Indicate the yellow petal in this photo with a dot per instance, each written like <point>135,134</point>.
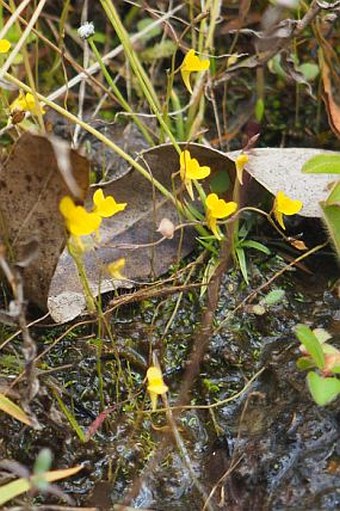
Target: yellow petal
<point>279,219</point>
<point>240,162</point>
<point>186,79</point>
<point>4,46</point>
<point>26,103</point>
<point>155,380</point>
<point>190,168</point>
<point>153,399</point>
<point>79,222</point>
<point>116,267</point>
<point>219,208</point>
<point>106,206</point>
<point>190,64</point>
<point>286,205</point>
<point>212,224</point>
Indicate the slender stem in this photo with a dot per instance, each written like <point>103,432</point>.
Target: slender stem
<point>119,95</point>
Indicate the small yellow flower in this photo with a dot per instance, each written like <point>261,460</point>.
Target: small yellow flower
<point>240,163</point>
<point>190,169</point>
<point>106,206</point>
<point>116,267</point>
<point>191,64</point>
<point>26,103</point>
<point>217,209</point>
<point>4,46</point>
<point>156,386</point>
<point>283,205</point>
<point>79,222</point>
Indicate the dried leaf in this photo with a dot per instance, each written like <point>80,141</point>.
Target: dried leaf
<point>330,65</point>
<point>15,488</point>
<point>7,406</point>
<point>125,235</point>
<point>280,169</point>
<point>31,186</point>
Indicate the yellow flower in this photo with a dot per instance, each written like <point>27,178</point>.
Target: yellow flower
<point>156,386</point>
<point>190,169</point>
<point>240,162</point>
<point>106,206</point>
<point>4,46</point>
<point>79,222</point>
<point>283,205</point>
<point>217,209</point>
<point>191,64</point>
<point>115,268</point>
<point>26,103</point>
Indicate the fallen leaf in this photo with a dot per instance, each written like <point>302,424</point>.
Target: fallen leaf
<point>15,488</point>
<point>7,406</point>
<point>329,63</point>
<point>125,235</point>
<point>31,186</point>
<point>280,169</point>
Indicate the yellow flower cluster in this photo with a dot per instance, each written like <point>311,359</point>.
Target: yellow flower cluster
<point>216,208</point>
<point>26,103</point>
<point>81,222</point>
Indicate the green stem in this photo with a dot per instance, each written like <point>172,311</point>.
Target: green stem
<point>77,258</point>
<point>119,95</point>
<point>143,79</point>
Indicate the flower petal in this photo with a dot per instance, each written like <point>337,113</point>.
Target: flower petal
<point>240,162</point>
<point>106,206</point>
<point>115,268</point>
<point>219,208</point>
<point>190,64</point>
<point>79,222</point>
<point>4,46</point>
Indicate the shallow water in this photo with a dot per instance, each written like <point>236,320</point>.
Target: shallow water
<point>272,448</point>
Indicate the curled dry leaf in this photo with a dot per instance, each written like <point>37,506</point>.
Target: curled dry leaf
<point>31,227</point>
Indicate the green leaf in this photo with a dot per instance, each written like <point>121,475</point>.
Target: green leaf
<point>162,50</point>
<point>242,262</point>
<point>331,216</point>
<point>323,390</point>
<point>334,196</point>
<point>322,335</point>
<point>304,363</point>
<point>310,70</point>
<point>70,417</point>
<point>43,462</point>
<point>220,183</point>
<point>145,22</point>
<point>323,164</point>
<point>311,343</point>
<point>7,406</point>
<point>259,109</point>
<point>274,297</point>
<point>255,245</point>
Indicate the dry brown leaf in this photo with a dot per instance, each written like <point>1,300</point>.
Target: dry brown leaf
<point>137,225</point>
<point>331,86</point>
<point>31,187</point>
